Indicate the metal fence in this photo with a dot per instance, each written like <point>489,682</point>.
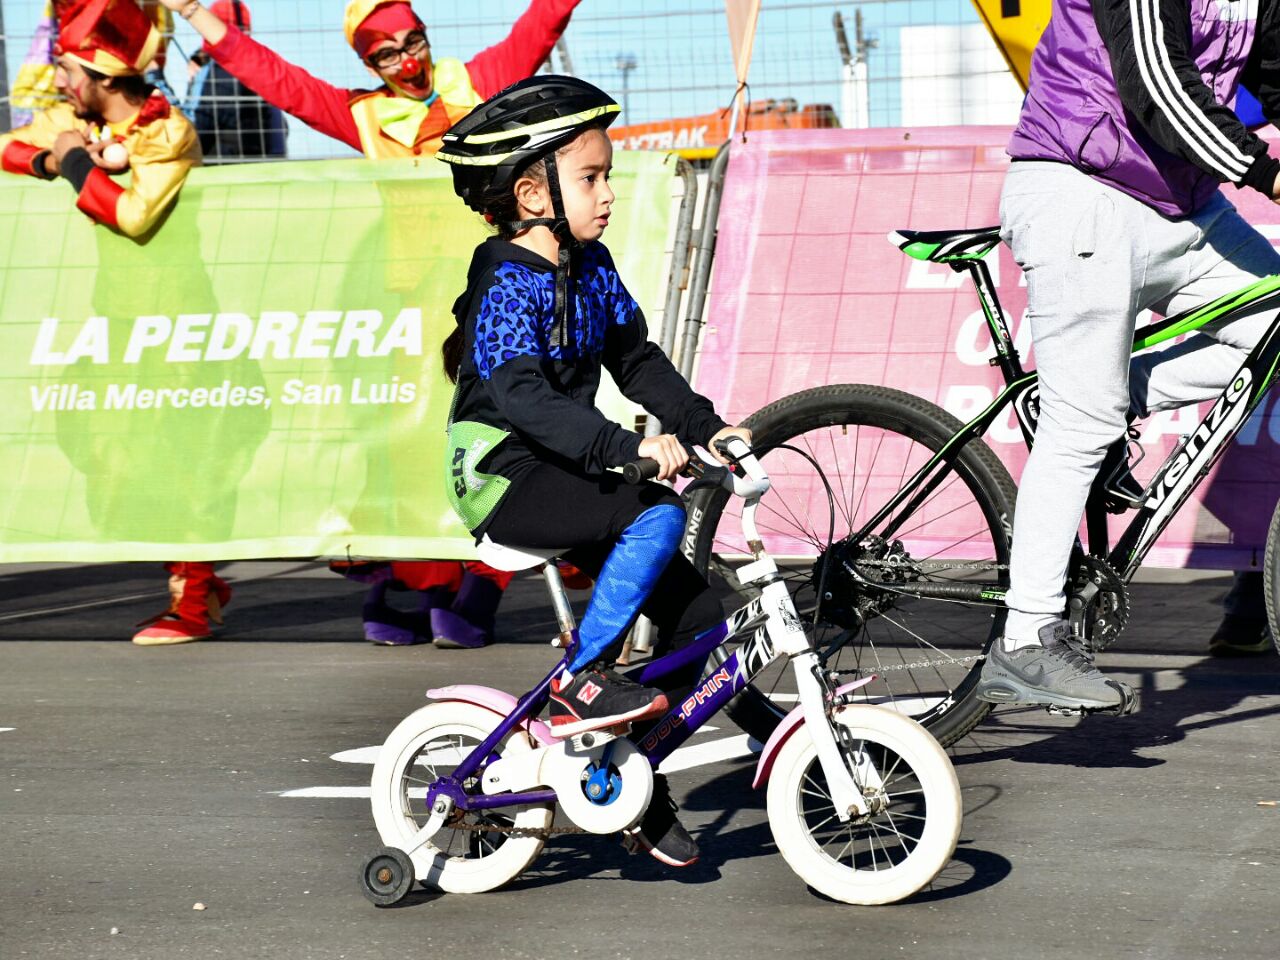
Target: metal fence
<point>875,63</point>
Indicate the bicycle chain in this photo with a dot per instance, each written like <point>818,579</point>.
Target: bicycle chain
<point>915,665</point>
<point>518,832</point>
<point>930,565</point>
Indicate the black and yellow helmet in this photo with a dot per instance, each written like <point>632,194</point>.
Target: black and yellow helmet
<point>526,123</point>
<point>492,145</point>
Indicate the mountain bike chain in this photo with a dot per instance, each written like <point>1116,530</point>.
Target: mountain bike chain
<point>1098,604</point>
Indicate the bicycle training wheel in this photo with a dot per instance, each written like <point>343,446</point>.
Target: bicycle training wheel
<point>902,842</point>
<point>478,851</point>
<point>869,440</point>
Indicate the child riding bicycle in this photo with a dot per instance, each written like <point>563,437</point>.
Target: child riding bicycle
<point>543,314</point>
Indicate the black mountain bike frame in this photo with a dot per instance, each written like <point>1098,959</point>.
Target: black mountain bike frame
<point>1173,483</point>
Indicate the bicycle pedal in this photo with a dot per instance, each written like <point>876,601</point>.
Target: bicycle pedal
<point>1128,706</point>
<point>1057,710</point>
<point>591,739</point>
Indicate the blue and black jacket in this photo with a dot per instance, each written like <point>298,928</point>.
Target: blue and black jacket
<point>526,389</point>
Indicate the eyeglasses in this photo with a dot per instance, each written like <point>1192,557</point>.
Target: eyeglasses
<point>388,57</point>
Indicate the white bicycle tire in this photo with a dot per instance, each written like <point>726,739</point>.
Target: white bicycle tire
<point>391,804</point>
<point>838,880</point>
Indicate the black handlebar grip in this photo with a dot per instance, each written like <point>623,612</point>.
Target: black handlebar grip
<point>638,471</point>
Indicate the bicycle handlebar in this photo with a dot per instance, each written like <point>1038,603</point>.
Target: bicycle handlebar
<point>638,471</point>
<point>702,466</point>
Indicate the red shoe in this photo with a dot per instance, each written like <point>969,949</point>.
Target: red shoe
<point>196,595</point>
<point>171,629</point>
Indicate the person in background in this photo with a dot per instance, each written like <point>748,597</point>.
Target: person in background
<point>234,123</point>
<point>101,54</point>
<point>417,99</point>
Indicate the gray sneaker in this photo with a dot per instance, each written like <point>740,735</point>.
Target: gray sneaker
<point>1055,674</point>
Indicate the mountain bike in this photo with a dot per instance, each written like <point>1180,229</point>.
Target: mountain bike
<point>862,802</point>
<point>912,586</point>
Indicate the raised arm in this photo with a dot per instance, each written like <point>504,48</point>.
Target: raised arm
<point>318,104</point>
<point>525,48</point>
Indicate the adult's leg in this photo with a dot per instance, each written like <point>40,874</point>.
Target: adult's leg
<point>1226,255</point>
<point>1229,255</point>
<point>1075,240</point>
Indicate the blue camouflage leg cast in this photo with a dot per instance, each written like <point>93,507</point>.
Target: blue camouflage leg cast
<point>626,580</point>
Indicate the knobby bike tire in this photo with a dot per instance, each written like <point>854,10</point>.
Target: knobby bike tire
<point>1271,576</point>
<point>854,405</point>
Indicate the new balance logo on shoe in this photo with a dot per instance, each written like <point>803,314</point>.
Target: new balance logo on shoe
<point>599,699</point>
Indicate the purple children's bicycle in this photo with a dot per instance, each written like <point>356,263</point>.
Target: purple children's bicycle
<point>862,801</point>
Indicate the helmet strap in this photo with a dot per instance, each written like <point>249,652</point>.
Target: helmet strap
<point>563,302</point>
<point>559,226</point>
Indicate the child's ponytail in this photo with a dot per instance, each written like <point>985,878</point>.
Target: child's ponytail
<point>451,354</point>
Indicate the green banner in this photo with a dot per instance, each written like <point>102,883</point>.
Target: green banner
<point>261,378</point>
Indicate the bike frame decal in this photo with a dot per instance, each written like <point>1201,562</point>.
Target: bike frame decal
<point>1191,462</point>
<point>1253,295</point>
<point>708,698</point>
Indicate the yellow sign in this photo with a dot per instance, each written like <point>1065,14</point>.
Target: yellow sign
<point>1015,26</point>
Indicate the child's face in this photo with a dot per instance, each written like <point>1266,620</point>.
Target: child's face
<point>584,167</point>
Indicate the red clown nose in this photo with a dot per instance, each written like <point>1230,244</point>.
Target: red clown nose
<point>410,68</point>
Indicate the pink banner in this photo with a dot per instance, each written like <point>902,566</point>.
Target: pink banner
<point>808,291</point>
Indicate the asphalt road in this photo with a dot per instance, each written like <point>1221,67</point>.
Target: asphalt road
<point>135,783</point>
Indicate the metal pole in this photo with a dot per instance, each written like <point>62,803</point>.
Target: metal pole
<point>697,301</point>
<point>6,118</point>
<point>678,277</point>
<point>641,638</point>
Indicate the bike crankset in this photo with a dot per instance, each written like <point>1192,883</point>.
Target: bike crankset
<point>1097,603</point>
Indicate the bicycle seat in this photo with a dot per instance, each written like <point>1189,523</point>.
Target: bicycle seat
<point>946,246</point>
<point>512,559</point>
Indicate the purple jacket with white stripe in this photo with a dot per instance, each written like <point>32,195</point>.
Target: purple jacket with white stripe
<point>1137,93</point>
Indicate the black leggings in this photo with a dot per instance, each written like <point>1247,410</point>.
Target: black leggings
<point>583,517</point>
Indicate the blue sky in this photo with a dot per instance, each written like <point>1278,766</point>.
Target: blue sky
<point>681,47</point>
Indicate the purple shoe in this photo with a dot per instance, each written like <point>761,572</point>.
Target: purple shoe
<point>389,627</point>
<point>453,632</point>
<point>389,635</point>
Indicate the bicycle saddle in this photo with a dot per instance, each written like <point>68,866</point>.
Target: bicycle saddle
<point>946,246</point>
<point>512,559</point>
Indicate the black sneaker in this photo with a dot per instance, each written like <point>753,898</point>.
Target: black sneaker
<point>660,833</point>
<point>1240,637</point>
<point>597,698</point>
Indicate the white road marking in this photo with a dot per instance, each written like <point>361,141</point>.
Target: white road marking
<point>87,605</point>
<point>7,729</point>
<point>365,755</point>
<point>330,793</point>
<point>726,748</point>
<point>686,758</point>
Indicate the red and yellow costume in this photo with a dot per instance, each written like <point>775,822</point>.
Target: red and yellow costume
<point>458,599</point>
<point>113,37</point>
<point>381,123</point>
<point>116,38</point>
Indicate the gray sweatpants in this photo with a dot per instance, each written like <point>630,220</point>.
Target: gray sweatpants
<point>1094,257</point>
